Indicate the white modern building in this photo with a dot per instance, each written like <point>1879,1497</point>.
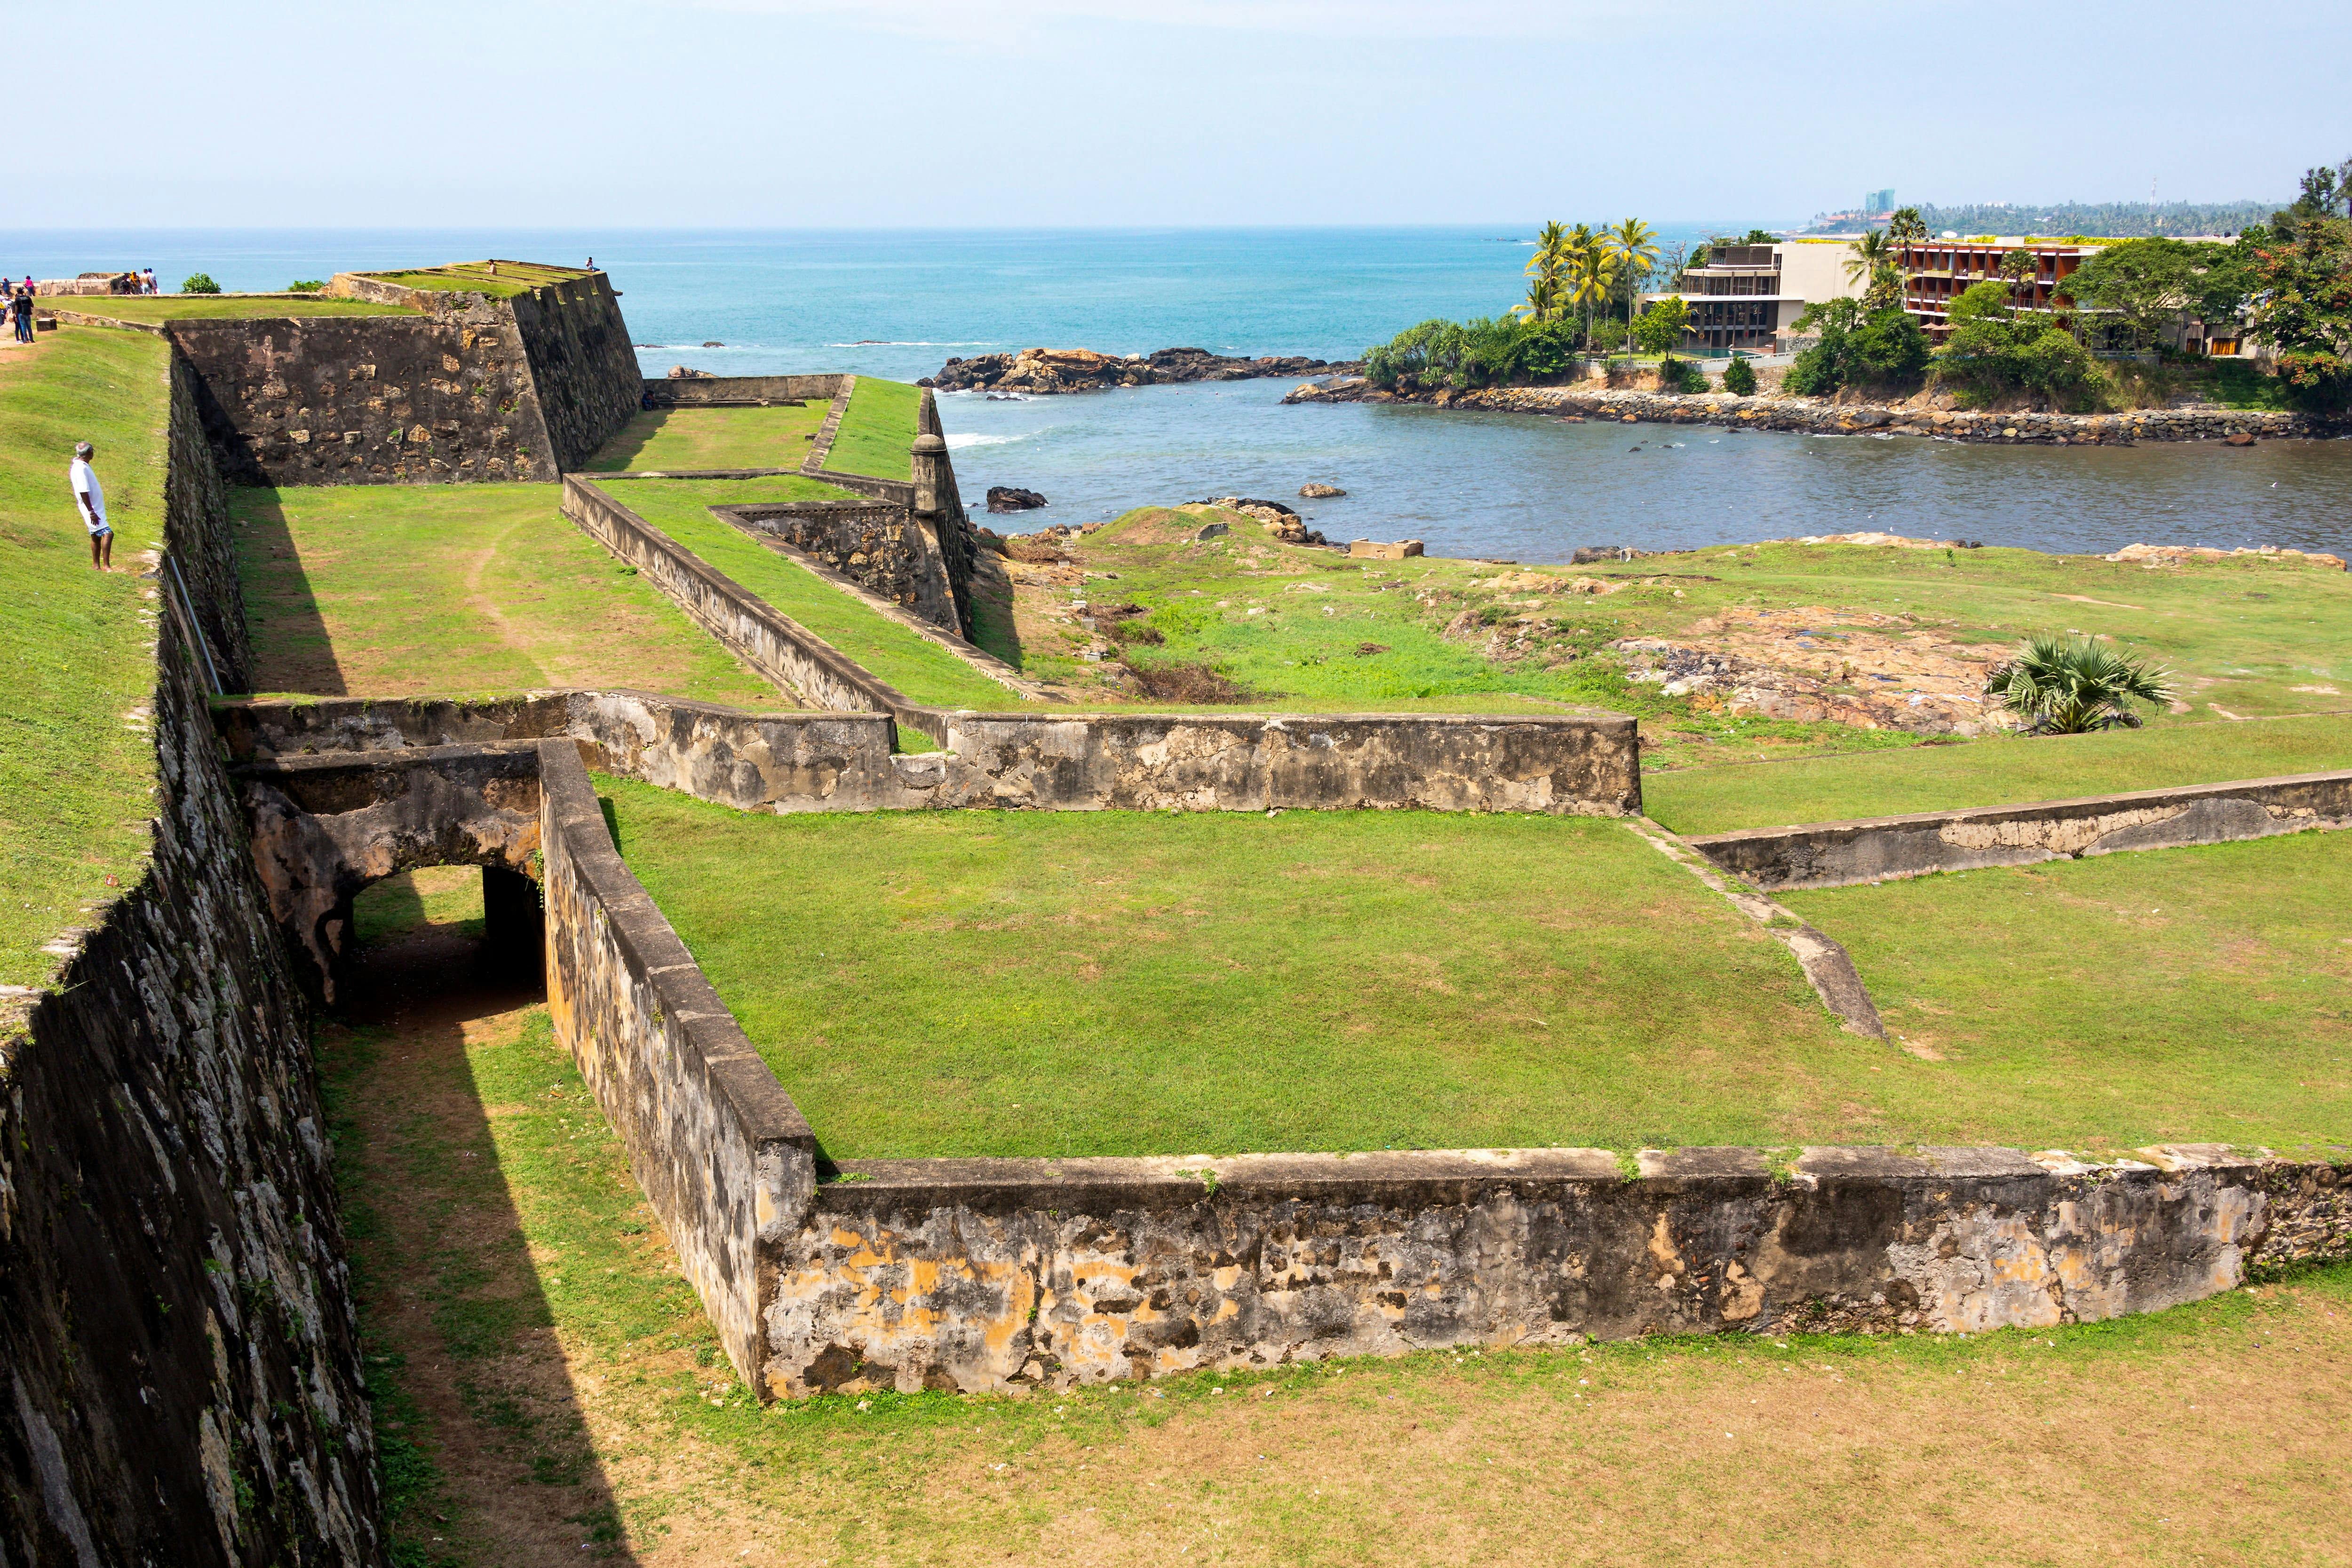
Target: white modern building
<point>1749,297</point>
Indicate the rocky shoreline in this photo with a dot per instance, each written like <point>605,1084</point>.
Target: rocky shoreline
<point>1819,415</point>
<point>1046,372</point>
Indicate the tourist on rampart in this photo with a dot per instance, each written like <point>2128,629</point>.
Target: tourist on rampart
<point>92,498</point>
<point>20,316</point>
<point>148,278</point>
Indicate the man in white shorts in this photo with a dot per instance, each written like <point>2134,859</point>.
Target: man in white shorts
<point>92,498</point>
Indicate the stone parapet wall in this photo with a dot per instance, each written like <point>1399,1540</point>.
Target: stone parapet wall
<point>1838,854</point>
<point>1819,415</point>
<point>779,647</point>
<point>202,565</point>
<point>885,549</point>
<point>1220,762</point>
<point>584,371</point>
<point>181,1351</point>
<point>980,1274</point>
<point>737,391</point>
<point>723,1156</point>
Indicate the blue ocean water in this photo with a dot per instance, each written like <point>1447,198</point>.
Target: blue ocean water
<point>899,303</point>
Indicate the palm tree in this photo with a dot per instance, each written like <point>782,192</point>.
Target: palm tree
<point>1632,245</point>
<point>1906,226</point>
<point>2067,687</point>
<point>2019,268</point>
<point>1871,256</point>
<point>1591,278</point>
<point>1546,274</point>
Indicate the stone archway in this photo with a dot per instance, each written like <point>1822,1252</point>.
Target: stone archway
<point>326,828</point>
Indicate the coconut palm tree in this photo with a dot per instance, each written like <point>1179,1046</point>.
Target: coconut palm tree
<point>1906,226</point>
<point>1632,246</point>
<point>2019,268</point>
<point>1546,274</point>
<point>2066,688</point>
<point>1542,303</point>
<point>1591,278</point>
<point>1872,257</point>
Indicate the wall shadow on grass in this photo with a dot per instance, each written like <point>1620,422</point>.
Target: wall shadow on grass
<point>292,650</point>
<point>487,1457</point>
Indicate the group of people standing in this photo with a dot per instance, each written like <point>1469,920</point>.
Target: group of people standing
<point>19,307</point>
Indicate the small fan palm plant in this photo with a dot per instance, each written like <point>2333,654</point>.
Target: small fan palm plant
<point>2061,687</point>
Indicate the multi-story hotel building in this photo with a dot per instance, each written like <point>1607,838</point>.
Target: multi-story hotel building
<point>1749,296</point>
<point>1937,271</point>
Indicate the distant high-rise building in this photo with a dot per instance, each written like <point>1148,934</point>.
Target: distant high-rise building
<point>1878,202</point>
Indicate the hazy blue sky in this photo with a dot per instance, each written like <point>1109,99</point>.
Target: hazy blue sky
<point>954,112</point>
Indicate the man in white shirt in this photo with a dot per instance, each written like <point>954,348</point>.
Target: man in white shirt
<point>92,498</point>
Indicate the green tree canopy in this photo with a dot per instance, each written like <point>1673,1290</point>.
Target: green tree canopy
<point>1858,347</point>
<point>2302,285</point>
<point>2146,285</point>
<point>1996,348</point>
<point>1659,330</point>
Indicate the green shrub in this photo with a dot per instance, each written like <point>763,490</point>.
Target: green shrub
<point>199,283</point>
<point>307,286</point>
<point>1487,352</point>
<point>1996,348</point>
<point>1880,348</point>
<point>1740,378</point>
<point>1681,375</point>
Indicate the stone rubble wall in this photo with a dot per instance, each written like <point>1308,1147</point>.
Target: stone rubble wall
<point>1839,854</point>
<point>1819,415</point>
<point>203,553</point>
<point>986,1274</point>
<point>883,549</point>
<point>473,389</point>
<point>735,391</point>
<point>724,1156</point>
<point>180,1372</point>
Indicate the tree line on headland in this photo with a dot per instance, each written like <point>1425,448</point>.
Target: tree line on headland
<point>2288,282</point>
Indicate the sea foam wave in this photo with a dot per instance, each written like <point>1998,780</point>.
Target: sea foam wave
<point>958,442</point>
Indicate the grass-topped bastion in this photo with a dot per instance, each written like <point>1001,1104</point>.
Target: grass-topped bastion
<point>1071,984</point>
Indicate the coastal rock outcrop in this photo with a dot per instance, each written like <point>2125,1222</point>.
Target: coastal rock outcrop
<point>1009,498</point>
<point>1279,520</point>
<point>1049,371</point>
<point>1823,417</point>
<point>1320,492</point>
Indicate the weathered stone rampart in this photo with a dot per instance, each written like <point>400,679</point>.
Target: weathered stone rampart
<point>469,388</point>
<point>883,547</point>
<point>724,1156</point>
<point>1838,854</point>
<point>985,1273</point>
<point>737,391</point>
<point>180,1375</point>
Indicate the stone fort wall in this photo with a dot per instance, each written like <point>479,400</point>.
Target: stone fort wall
<point>180,1375</point>
<point>474,389</point>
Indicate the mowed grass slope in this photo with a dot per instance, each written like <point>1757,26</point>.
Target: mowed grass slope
<point>665,438</point>
<point>2175,996</point>
<point>545,1377</point>
<point>1997,772</point>
<point>1067,983</point>
<point>77,655</point>
<point>919,668</point>
<point>448,590</point>
<point>216,307</point>
<point>877,430</point>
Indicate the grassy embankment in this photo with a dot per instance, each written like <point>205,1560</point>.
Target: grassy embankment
<point>1151,984</point>
<point>449,590</point>
<point>666,438</point>
<point>77,768</point>
<point>474,277</point>
<point>211,307</point>
<point>917,666</point>
<point>2200,994</point>
<point>1297,627</point>
<point>546,1378</point>
<point>877,430</point>
<point>2000,772</point>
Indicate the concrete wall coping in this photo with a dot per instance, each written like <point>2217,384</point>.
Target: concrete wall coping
<point>652,947</point>
<point>2074,805</point>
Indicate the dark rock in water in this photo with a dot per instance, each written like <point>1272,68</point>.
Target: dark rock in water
<point>1320,492</point>
<point>1006,498</point>
<point>714,344</point>
<point>1084,370</point>
<point>686,373</point>
<point>1592,554</point>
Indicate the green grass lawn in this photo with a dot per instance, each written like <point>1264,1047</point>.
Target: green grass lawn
<point>877,430</point>
<point>542,1375</point>
<point>919,668</point>
<point>2248,638</point>
<point>473,277</point>
<point>1999,772</point>
<point>2198,995</point>
<point>1111,982</point>
<point>76,775</point>
<point>665,438</point>
<point>410,590</point>
<point>212,307</point>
